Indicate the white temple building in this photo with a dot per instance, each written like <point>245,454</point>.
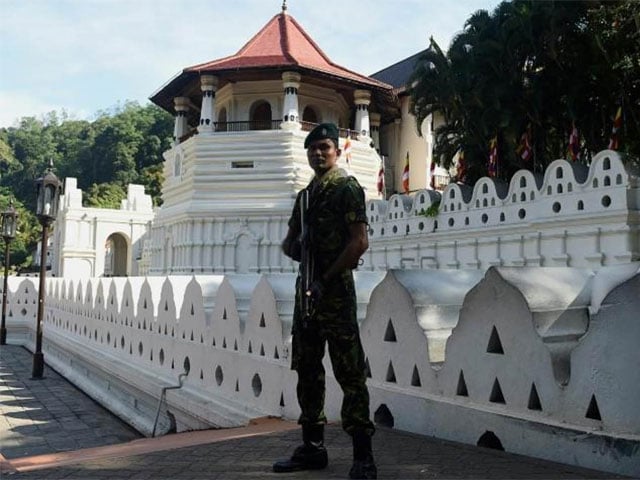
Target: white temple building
<point>238,160</point>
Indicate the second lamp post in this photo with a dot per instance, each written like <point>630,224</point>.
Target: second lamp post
<point>48,189</point>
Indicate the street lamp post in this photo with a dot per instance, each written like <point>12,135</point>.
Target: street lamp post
<point>9,224</point>
<point>48,189</point>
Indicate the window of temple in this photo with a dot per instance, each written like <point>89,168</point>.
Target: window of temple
<point>260,118</point>
<point>309,115</point>
<point>222,120</point>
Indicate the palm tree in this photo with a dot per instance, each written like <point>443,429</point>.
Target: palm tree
<point>530,64</point>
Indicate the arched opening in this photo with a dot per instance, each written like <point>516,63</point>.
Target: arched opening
<point>222,120</point>
<point>116,257</point>
<point>490,440</point>
<point>260,117</point>
<point>309,115</point>
<point>383,416</point>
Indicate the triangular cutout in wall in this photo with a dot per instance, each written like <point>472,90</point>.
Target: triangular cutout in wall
<point>534,399</point>
<point>593,411</point>
<point>495,345</point>
<point>390,333</point>
<point>496,393</point>
<point>391,374</point>
<point>415,377</point>
<point>461,389</point>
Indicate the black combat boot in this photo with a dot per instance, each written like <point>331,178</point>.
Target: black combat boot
<point>311,455</point>
<point>363,463</point>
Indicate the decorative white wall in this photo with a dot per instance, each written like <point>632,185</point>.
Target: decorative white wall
<point>542,357</point>
<point>572,216</point>
<point>80,233</point>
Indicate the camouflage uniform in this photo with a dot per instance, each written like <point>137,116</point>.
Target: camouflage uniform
<point>335,202</point>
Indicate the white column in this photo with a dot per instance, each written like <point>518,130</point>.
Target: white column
<point>180,128</point>
<point>362,99</point>
<point>290,113</point>
<point>208,85</point>
<point>375,130</point>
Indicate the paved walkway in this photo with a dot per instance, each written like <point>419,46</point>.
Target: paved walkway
<point>51,430</point>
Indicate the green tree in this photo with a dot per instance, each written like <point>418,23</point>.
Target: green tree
<point>33,147</point>
<point>104,195</point>
<point>121,146</point>
<point>536,65</point>
<point>27,232</point>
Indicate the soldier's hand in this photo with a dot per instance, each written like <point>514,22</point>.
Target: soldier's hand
<point>316,291</point>
<point>292,248</point>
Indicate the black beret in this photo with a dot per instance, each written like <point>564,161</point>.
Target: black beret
<point>322,131</point>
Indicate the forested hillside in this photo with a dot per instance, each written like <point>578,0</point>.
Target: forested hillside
<point>119,147</point>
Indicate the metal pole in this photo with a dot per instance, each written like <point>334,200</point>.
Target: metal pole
<point>3,328</point>
<point>38,356</point>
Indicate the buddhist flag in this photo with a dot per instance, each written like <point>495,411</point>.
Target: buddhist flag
<point>461,167</point>
<point>405,176</point>
<point>346,151</point>
<point>524,149</point>
<point>614,140</point>
<point>381,178</point>
<point>573,150</point>
<point>493,157</point>
<point>432,173</point>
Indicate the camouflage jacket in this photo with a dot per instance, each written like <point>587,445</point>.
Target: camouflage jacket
<point>335,202</point>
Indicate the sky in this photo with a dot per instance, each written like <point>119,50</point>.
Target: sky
<point>85,56</point>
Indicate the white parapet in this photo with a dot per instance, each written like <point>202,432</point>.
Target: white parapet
<point>541,358</point>
<point>573,216</point>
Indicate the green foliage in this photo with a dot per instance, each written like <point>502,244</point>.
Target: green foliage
<point>432,211</point>
<point>104,195</point>
<point>538,64</point>
<point>27,230</point>
<point>120,147</point>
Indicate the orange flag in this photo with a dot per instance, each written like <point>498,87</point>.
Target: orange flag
<point>405,176</point>
<point>614,140</point>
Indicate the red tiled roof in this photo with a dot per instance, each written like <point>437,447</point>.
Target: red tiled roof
<point>282,42</point>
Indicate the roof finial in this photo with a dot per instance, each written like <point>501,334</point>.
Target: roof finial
<point>284,6</point>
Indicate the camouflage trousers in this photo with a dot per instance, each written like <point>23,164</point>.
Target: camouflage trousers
<point>333,323</point>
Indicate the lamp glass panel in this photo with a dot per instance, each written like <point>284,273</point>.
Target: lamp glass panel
<point>8,224</point>
<point>47,206</point>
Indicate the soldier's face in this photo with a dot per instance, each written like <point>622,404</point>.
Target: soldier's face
<point>322,155</point>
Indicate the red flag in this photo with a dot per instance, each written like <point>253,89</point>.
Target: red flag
<point>524,147</point>
<point>614,140</point>
<point>405,176</point>
<point>381,178</point>
<point>346,151</point>
<point>461,168</point>
<point>432,173</point>
<point>493,156</point>
<point>573,151</point>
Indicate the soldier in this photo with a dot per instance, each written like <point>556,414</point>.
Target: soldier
<point>336,237</point>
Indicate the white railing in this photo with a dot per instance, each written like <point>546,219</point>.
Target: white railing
<point>542,357</point>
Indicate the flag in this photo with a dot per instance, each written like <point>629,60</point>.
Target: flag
<point>493,156</point>
<point>573,151</point>
<point>432,173</point>
<point>461,167</point>
<point>524,147</point>
<point>405,176</point>
<point>346,150</point>
<point>614,140</point>
<point>381,178</point>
